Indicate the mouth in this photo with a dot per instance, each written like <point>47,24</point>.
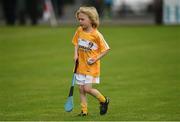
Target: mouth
<point>83,26</point>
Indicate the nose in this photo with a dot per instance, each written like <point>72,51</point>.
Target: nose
<point>80,22</point>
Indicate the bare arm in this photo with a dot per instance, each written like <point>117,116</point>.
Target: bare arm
<point>93,60</point>
<point>75,53</point>
<point>102,55</point>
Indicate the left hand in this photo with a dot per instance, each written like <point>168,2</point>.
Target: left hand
<point>91,61</point>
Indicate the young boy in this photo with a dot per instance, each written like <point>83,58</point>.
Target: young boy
<point>90,47</point>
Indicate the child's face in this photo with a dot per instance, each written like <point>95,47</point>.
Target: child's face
<point>84,21</point>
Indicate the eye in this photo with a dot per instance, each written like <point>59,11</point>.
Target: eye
<point>81,19</point>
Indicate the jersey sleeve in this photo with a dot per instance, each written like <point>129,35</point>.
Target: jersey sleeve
<point>75,37</point>
<point>103,46</point>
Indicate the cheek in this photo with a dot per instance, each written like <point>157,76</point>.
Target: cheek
<point>87,22</point>
<point>84,22</point>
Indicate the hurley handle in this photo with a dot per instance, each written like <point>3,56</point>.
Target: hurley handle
<point>76,65</point>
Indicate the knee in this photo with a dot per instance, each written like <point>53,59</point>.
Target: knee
<point>87,89</point>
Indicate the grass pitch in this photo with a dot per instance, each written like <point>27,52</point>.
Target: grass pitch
<point>141,74</point>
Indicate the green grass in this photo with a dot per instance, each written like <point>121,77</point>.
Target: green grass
<point>141,74</point>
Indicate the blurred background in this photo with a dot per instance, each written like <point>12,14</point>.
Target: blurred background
<point>60,12</point>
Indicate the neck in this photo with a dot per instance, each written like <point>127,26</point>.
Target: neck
<point>88,29</point>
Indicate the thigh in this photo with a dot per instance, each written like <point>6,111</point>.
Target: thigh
<point>88,85</point>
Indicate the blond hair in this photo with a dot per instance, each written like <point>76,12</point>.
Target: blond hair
<point>92,13</point>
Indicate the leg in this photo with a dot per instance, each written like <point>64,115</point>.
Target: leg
<point>103,101</point>
<point>83,100</point>
<point>94,92</point>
